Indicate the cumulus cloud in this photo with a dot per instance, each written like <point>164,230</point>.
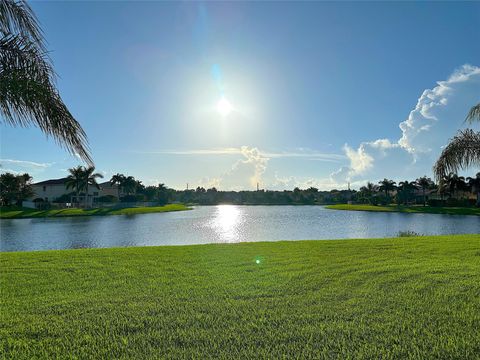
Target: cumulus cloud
<point>436,117</point>
<point>246,172</point>
<point>440,111</point>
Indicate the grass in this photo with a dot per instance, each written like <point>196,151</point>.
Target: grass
<point>23,213</point>
<point>408,209</point>
<point>400,298</point>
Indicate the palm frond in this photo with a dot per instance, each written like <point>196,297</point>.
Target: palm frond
<point>16,17</point>
<point>473,114</point>
<point>462,152</point>
<point>28,95</point>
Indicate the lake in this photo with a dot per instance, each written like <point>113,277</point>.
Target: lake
<point>221,224</point>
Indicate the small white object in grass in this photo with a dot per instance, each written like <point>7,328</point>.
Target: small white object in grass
<point>257,261</point>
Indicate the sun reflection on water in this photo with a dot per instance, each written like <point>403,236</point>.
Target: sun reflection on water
<point>226,222</point>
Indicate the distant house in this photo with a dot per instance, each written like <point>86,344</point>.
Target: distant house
<point>55,189</point>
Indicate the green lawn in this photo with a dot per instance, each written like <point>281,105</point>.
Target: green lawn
<point>408,209</point>
<point>380,298</point>
<point>15,212</point>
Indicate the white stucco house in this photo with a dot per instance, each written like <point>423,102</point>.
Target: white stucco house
<point>52,190</point>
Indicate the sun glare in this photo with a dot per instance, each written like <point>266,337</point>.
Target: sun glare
<point>224,107</point>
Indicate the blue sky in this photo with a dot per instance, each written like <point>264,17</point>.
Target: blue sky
<point>318,90</point>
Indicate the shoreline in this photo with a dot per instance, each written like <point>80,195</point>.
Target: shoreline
<point>27,213</point>
<point>416,209</point>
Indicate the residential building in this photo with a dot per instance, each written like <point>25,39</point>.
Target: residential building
<point>54,189</point>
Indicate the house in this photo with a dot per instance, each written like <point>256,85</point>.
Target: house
<point>55,189</point>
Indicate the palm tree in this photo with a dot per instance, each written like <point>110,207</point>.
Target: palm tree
<point>76,181</point>
<point>368,191</point>
<point>162,194</point>
<point>406,188</point>
<point>442,189</point>
<point>475,185</point>
<point>91,179</point>
<point>118,179</point>
<point>425,183</point>
<point>28,95</point>
<point>387,186</point>
<point>454,182</point>
<point>462,151</point>
<point>129,185</point>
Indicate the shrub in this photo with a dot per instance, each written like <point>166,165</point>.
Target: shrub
<point>65,198</point>
<point>436,202</point>
<point>107,199</point>
<point>408,233</point>
<point>460,202</point>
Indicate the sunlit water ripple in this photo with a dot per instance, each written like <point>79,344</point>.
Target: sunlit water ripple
<point>221,224</point>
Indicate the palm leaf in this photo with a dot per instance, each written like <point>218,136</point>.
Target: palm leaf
<point>28,95</point>
<point>462,152</point>
<point>16,17</point>
<point>473,114</point>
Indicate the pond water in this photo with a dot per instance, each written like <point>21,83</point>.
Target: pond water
<point>221,224</point>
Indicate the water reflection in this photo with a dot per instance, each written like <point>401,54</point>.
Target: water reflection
<point>218,224</point>
<point>226,222</point>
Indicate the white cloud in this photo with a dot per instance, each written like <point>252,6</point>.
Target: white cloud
<point>360,160</point>
<point>24,164</point>
<point>247,172</point>
<point>437,116</point>
<point>300,153</point>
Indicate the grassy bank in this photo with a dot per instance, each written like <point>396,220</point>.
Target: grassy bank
<point>408,209</point>
<point>380,298</point>
<point>19,213</point>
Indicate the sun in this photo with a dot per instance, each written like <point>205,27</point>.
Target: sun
<point>224,107</point>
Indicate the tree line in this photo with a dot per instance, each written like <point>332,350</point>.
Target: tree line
<point>453,190</point>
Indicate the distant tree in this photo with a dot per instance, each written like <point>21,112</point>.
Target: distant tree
<point>25,190</point>
<point>387,186</point>
<point>474,183</point>
<point>76,181</point>
<point>406,190</point>
<point>442,190</point>
<point>8,188</point>
<point>454,183</point>
<point>424,183</point>
<point>118,179</point>
<point>91,179</point>
<point>163,194</point>
<point>368,191</point>
<point>129,185</point>
<point>139,187</point>
<point>150,192</point>
<point>28,95</point>
<point>15,188</point>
